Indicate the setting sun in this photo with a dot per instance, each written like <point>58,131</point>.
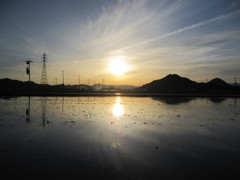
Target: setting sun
<point>118,65</point>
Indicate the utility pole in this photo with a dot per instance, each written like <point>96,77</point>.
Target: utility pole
<point>79,83</point>
<point>103,83</point>
<point>28,69</point>
<point>63,77</point>
<point>44,69</point>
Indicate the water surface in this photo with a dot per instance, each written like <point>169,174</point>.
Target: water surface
<point>120,137</point>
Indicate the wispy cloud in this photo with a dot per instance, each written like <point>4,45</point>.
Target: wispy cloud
<point>156,35</point>
<point>193,26</point>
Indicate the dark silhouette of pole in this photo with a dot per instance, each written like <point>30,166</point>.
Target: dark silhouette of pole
<point>44,108</point>
<point>62,104</point>
<point>28,69</point>
<point>63,77</point>
<point>103,84</point>
<point>79,82</point>
<point>28,110</point>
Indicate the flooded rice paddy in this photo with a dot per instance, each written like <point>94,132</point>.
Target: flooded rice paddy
<point>120,137</point>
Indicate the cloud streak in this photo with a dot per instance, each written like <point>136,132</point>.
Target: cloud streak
<point>191,27</point>
<point>164,35</point>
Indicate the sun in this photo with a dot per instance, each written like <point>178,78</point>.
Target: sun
<point>118,65</point>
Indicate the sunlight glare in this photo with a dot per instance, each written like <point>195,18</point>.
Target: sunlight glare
<point>118,109</point>
<point>118,65</point>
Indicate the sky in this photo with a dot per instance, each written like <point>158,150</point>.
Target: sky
<point>120,41</point>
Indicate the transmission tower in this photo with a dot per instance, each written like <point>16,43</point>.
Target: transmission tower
<point>44,70</point>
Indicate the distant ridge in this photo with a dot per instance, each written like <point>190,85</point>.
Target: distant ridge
<point>174,83</point>
<point>121,87</point>
<point>217,82</point>
<point>15,86</point>
<point>171,84</point>
<point>10,84</point>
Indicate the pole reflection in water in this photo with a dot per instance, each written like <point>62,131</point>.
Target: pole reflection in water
<point>44,107</point>
<point>28,109</point>
<point>118,109</point>
<point>235,104</point>
<point>62,104</point>
<point>130,137</point>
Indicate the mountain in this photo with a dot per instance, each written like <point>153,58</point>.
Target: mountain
<point>171,82</point>
<point>174,83</point>
<point>78,87</point>
<point>121,87</point>
<point>217,82</point>
<point>15,86</point>
<point>12,85</point>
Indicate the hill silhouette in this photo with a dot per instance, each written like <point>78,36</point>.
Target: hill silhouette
<point>217,82</point>
<point>174,83</point>
<point>7,84</point>
<point>171,84</point>
<point>14,86</point>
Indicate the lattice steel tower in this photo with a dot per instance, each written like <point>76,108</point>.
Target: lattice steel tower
<point>44,70</point>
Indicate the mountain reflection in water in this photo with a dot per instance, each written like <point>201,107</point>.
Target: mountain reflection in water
<point>120,137</point>
<point>180,100</point>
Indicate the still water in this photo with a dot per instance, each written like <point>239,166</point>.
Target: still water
<point>120,137</point>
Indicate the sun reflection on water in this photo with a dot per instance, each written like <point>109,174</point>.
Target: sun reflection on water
<point>118,109</point>
<point>115,145</point>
